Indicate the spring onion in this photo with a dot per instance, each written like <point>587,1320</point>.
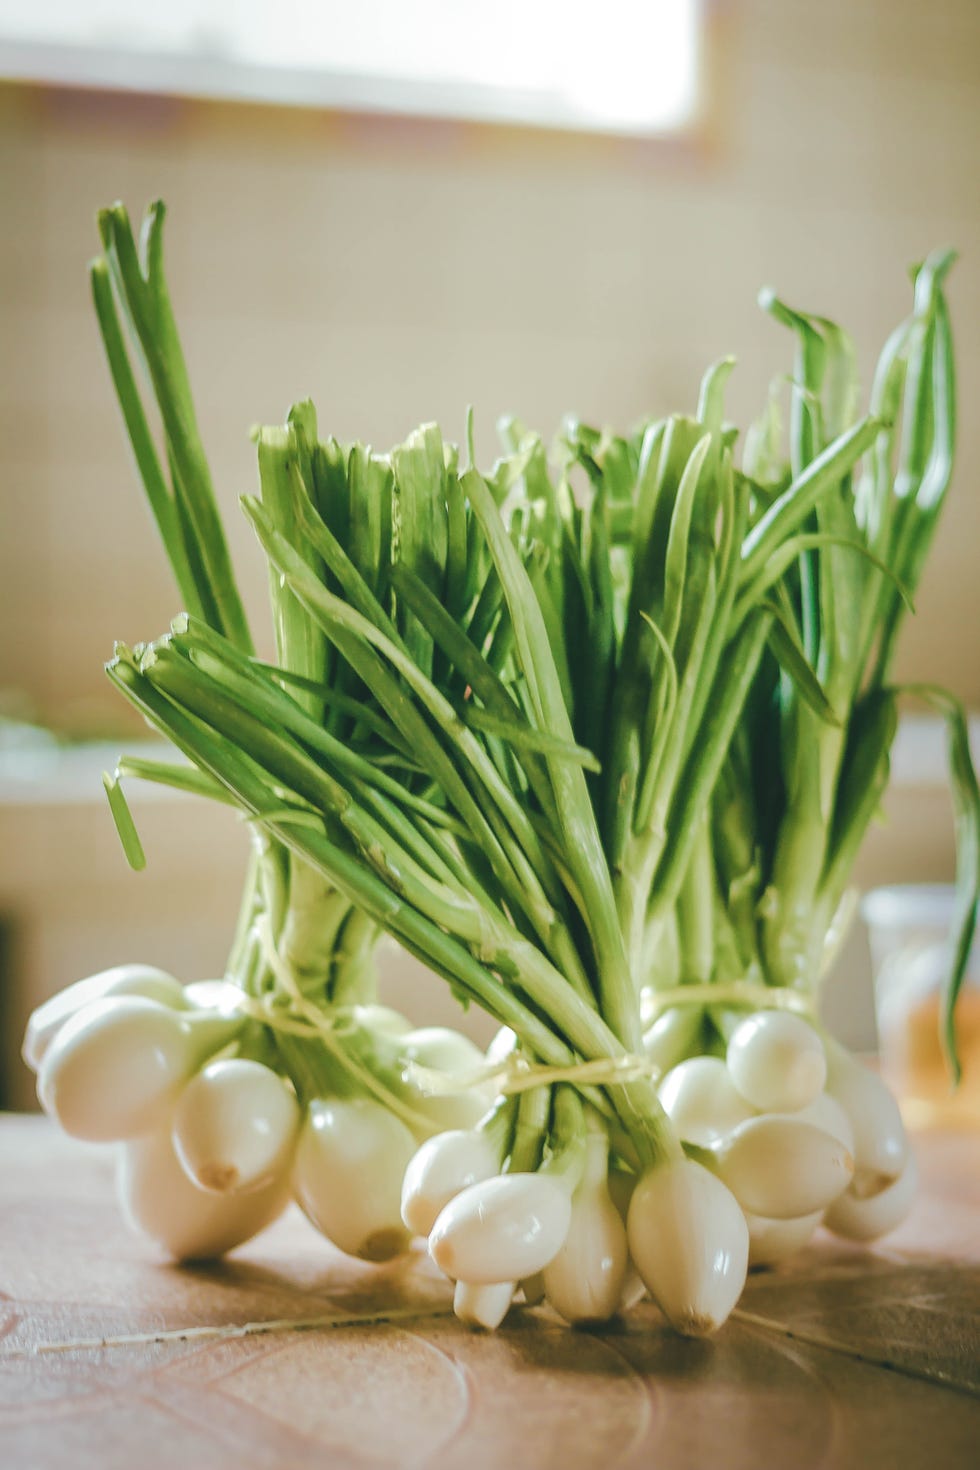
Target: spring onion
<point>701,1099</point>
<point>690,1243</point>
<point>880,1143</point>
<point>47,1020</point>
<point>867,1217</point>
<point>776,1061</point>
<point>160,1202</point>
<point>501,1229</point>
<point>801,784</point>
<point>347,1174</point>
<point>584,1281</point>
<point>780,1166</point>
<point>443,1167</point>
<point>234,1125</point>
<point>594,734</point>
<point>115,1068</point>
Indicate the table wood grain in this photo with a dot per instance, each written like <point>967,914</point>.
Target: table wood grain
<point>850,1358</point>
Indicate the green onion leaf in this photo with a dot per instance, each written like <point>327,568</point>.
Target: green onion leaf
<point>125,826</point>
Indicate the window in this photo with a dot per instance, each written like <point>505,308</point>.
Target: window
<point>616,66</point>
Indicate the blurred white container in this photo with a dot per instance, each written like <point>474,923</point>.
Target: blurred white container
<point>909,934</point>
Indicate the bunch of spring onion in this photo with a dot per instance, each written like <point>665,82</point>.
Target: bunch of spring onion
<point>222,1118</point>
<point>543,680</point>
<point>287,1078</point>
<point>767,894</point>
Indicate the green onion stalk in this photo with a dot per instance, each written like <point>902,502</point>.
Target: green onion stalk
<point>804,778</point>
<point>299,941</point>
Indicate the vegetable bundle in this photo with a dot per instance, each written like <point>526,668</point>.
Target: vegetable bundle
<point>595,735</point>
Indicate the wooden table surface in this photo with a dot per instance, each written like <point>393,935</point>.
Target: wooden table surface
<point>852,1358</point>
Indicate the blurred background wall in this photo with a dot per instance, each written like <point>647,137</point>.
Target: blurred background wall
<point>396,270</point>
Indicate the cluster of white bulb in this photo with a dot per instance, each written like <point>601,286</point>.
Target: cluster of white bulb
<point>798,1130</point>
<point>212,1145</point>
<point>590,1243</point>
<point>782,1133</point>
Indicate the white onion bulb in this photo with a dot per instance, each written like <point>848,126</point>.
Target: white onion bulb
<point>502,1229</point>
<point>780,1167</point>
<point>160,1201</point>
<point>867,1219</point>
<point>584,1281</point>
<point>444,1165</point>
<point>347,1175</point>
<point>826,1112</point>
<point>701,1100</point>
<point>234,1125</point>
<point>880,1142</point>
<point>47,1020</point>
<point>443,1050</point>
<point>114,1069</point>
<point>690,1243</point>
<point>671,1035</point>
<point>776,1061</point>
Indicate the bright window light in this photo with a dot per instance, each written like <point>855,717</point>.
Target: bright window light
<point>620,66</point>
